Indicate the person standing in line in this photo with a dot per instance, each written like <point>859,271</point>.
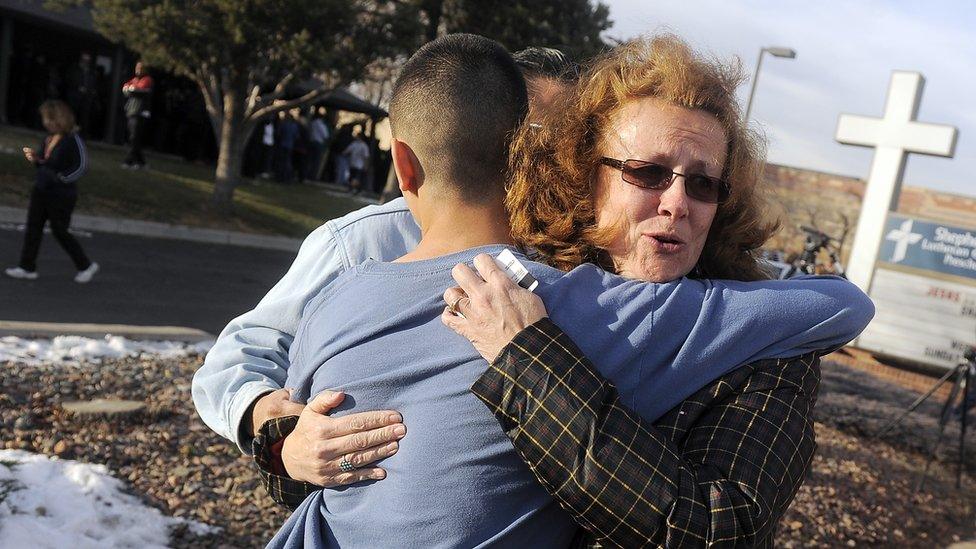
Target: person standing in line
<point>267,148</point>
<point>343,138</point>
<point>82,92</point>
<point>138,93</point>
<point>300,150</point>
<point>318,138</point>
<point>37,85</point>
<point>357,154</point>
<point>285,141</point>
<point>60,161</point>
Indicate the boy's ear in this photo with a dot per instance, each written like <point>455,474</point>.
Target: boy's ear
<point>409,172</point>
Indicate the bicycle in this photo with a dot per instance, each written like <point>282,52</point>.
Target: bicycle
<point>807,263</point>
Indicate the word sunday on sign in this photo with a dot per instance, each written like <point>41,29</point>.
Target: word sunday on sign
<point>925,292</point>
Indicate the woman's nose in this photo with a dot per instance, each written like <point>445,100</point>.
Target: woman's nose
<point>674,200</point>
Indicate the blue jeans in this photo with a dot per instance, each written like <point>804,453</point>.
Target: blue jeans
<point>341,170</point>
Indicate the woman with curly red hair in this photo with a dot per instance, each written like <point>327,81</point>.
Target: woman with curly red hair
<point>648,170</point>
<point>646,98</point>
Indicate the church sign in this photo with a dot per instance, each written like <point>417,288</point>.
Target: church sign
<point>924,289</point>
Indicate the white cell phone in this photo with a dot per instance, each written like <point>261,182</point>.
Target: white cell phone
<point>507,262</point>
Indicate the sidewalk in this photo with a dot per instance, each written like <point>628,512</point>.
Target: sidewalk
<point>152,229</point>
<point>99,331</point>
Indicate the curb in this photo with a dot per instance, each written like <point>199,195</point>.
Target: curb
<point>155,229</point>
<point>98,331</point>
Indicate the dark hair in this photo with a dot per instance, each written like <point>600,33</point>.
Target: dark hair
<point>536,61</point>
<point>457,102</point>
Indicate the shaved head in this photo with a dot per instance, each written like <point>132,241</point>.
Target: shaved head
<point>456,104</point>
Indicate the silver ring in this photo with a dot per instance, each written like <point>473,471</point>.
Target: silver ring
<point>346,465</point>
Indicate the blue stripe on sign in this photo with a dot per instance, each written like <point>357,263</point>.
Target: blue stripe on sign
<point>930,246</point>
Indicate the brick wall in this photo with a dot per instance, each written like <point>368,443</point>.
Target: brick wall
<point>831,203</point>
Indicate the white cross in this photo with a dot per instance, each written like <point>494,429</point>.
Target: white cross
<point>903,237</point>
<point>893,136</point>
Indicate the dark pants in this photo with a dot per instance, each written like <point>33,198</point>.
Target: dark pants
<point>357,179</point>
<point>56,208</point>
<point>312,160</point>
<point>267,160</point>
<point>284,169</point>
<point>137,132</point>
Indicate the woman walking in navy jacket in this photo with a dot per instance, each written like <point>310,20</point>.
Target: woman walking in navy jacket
<point>60,162</point>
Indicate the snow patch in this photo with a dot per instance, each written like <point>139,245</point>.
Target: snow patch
<point>49,502</point>
<point>75,350</point>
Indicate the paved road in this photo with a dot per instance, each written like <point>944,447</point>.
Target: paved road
<point>143,281</point>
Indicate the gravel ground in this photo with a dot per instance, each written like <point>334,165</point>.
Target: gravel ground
<point>864,490</point>
<point>861,491</point>
<point>168,455</point>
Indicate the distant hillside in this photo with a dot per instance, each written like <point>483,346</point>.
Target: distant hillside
<point>832,203</point>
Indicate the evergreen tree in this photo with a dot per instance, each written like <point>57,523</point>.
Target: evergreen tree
<point>573,26</point>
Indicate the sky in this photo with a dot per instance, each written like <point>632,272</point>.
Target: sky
<point>846,51</point>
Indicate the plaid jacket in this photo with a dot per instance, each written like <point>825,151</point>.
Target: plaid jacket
<point>719,469</point>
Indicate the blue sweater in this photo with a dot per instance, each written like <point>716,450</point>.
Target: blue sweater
<point>456,481</point>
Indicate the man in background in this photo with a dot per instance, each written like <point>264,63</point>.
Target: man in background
<point>138,109</point>
<point>82,92</point>
<point>357,155</point>
<point>286,138</point>
<point>548,73</point>
<point>318,139</point>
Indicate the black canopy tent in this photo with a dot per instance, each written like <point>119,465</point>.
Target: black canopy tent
<point>343,100</point>
<point>338,99</point>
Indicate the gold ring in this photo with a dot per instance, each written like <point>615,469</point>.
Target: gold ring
<point>453,306</point>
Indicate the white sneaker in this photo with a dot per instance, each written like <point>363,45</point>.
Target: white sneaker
<point>84,277</point>
<point>17,272</point>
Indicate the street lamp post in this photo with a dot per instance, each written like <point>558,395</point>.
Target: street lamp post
<point>775,52</point>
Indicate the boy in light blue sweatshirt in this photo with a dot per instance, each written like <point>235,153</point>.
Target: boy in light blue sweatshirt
<point>375,333</point>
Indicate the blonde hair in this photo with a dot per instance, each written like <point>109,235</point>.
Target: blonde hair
<point>550,197</point>
<point>59,114</point>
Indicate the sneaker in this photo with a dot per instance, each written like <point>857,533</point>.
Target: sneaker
<point>84,277</point>
<point>17,272</point>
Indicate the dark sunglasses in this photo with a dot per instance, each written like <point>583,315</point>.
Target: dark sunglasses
<point>648,175</point>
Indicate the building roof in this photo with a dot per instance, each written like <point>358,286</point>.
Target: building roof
<point>75,18</point>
